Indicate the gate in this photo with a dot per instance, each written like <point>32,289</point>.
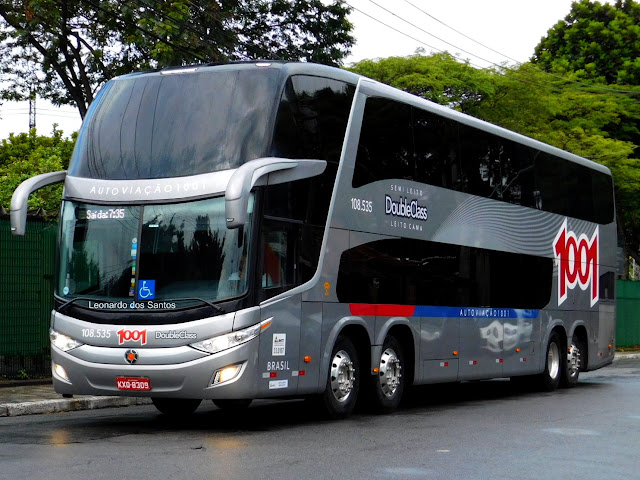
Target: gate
<point>26,298</point>
<point>628,313</point>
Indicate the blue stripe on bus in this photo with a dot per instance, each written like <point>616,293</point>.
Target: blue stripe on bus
<point>473,312</point>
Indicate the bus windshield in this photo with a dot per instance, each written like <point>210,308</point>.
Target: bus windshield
<point>112,257</point>
<point>156,125</point>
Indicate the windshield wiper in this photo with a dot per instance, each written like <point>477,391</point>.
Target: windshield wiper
<point>66,304</point>
<point>206,302</point>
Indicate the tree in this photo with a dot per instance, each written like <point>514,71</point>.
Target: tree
<point>28,154</point>
<point>438,77</point>
<point>595,41</point>
<point>69,48</point>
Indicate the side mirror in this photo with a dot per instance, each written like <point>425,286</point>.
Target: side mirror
<point>20,198</point>
<point>263,171</point>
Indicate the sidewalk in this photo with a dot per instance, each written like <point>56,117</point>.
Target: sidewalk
<point>37,396</point>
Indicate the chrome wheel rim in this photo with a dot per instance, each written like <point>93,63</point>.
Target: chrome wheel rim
<point>553,360</point>
<point>573,360</point>
<point>343,376</point>
<point>390,372</point>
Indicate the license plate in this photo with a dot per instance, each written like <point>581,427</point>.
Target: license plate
<point>133,383</point>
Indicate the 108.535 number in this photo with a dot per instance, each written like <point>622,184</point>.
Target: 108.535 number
<point>362,205</point>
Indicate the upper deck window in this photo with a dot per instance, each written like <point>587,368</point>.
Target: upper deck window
<point>399,141</point>
<point>154,126</point>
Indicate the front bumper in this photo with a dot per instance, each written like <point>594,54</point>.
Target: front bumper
<point>189,379</point>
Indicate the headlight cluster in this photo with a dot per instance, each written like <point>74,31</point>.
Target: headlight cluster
<point>63,342</point>
<point>229,340</point>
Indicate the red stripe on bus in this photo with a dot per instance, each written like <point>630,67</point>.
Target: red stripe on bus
<point>373,310</point>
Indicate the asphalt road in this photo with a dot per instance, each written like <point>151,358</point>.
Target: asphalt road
<point>482,430</point>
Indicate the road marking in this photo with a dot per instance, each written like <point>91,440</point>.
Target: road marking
<point>410,472</point>
<point>572,432</point>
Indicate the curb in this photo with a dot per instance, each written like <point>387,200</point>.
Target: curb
<point>626,356</point>
<point>69,404</point>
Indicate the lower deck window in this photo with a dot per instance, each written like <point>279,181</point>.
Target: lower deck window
<point>415,272</point>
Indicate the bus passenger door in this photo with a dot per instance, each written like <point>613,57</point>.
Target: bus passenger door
<point>279,341</point>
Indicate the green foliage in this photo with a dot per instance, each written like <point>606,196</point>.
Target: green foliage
<point>65,51</point>
<point>595,41</point>
<point>25,155</point>
<point>439,77</point>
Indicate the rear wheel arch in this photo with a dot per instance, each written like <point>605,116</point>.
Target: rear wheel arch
<point>360,339</point>
<point>576,357</point>
<point>555,357</point>
<point>346,367</point>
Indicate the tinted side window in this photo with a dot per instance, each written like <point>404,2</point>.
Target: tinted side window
<point>550,178</point>
<point>437,151</point>
<point>574,190</point>
<point>604,207</point>
<point>311,123</point>
<point>386,143</point>
<point>290,252</point>
<point>312,118</point>
<point>481,156</point>
<point>414,272</point>
<point>518,176</point>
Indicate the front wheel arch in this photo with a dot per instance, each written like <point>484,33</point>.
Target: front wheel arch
<point>343,379</point>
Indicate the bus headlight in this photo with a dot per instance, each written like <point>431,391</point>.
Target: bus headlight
<point>63,342</point>
<point>229,340</point>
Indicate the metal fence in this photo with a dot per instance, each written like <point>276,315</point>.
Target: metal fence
<point>26,298</point>
<point>628,313</point>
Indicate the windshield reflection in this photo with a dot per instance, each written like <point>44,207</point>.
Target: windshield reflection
<point>151,253</point>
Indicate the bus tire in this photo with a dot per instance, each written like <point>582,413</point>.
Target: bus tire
<point>343,380</point>
<point>388,384</point>
<point>176,407</point>
<point>574,363</point>
<point>555,360</point>
<point>227,404</point>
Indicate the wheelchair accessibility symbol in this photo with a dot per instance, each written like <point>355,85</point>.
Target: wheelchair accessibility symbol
<point>146,289</point>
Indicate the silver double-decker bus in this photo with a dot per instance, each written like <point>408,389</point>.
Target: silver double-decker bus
<point>275,230</point>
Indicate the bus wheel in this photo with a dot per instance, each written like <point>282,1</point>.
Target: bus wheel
<point>550,378</point>
<point>176,406</point>
<point>388,385</point>
<point>226,404</point>
<point>574,363</point>
<point>343,382</point>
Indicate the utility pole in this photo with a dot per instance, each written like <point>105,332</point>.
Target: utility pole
<point>32,110</point>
